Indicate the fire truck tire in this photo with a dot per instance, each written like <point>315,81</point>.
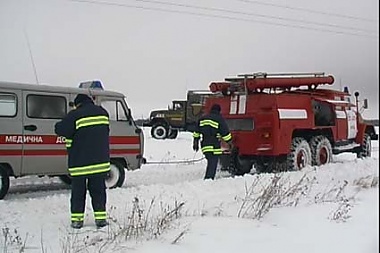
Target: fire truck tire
<point>366,148</point>
<point>116,176</point>
<point>173,133</point>
<point>300,154</point>
<point>321,150</point>
<point>159,131</point>
<point>4,182</point>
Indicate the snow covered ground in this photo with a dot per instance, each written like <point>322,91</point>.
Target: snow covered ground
<point>170,208</point>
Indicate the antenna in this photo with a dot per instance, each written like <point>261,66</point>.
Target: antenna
<point>31,56</point>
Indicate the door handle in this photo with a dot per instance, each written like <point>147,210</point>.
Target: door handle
<point>30,127</point>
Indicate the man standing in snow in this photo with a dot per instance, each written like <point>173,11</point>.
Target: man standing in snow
<point>86,130</point>
<point>211,128</point>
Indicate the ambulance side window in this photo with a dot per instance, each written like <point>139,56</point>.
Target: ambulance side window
<point>45,107</point>
<point>115,110</point>
<point>8,105</point>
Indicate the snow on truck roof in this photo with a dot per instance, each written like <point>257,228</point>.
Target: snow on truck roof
<point>57,89</point>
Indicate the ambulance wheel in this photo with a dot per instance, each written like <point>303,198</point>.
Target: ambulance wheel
<point>159,131</point>
<point>300,154</point>
<point>116,176</point>
<point>4,181</point>
<point>365,148</point>
<point>321,150</point>
<point>65,179</point>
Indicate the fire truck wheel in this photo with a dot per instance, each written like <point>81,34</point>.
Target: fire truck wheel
<point>366,148</point>
<point>300,154</point>
<point>159,131</point>
<point>116,176</point>
<point>173,133</point>
<point>321,150</point>
<point>4,182</point>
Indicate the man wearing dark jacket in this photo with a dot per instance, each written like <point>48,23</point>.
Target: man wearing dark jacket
<point>211,128</point>
<point>86,130</point>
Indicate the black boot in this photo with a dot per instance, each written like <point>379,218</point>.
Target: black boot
<point>77,224</point>
<point>101,223</point>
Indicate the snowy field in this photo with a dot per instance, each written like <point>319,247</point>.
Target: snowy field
<point>170,208</point>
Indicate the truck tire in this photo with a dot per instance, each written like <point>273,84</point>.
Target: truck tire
<point>173,133</point>
<point>300,154</point>
<point>159,131</point>
<point>4,181</point>
<point>366,147</point>
<point>116,176</point>
<point>321,150</point>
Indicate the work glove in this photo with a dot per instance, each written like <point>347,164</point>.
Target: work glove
<point>195,145</point>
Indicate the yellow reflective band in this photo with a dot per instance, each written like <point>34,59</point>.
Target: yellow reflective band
<point>77,216</point>
<point>196,135</point>
<point>211,149</point>
<point>227,137</point>
<point>90,169</point>
<point>91,121</point>
<point>208,122</point>
<point>68,143</point>
<point>100,215</point>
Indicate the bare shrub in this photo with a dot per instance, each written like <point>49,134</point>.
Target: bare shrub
<point>333,193</point>
<point>12,240</point>
<point>341,214</point>
<point>280,191</point>
<point>139,223</point>
<point>367,182</point>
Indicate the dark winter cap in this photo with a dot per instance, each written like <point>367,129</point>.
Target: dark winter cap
<point>81,98</point>
<point>215,108</point>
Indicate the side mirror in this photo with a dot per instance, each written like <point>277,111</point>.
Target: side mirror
<point>365,103</point>
<point>71,104</point>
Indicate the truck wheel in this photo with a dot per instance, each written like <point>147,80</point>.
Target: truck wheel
<point>365,148</point>
<point>321,150</point>
<point>243,166</point>
<point>159,131</point>
<point>116,176</point>
<point>173,133</point>
<point>4,182</point>
<point>300,154</point>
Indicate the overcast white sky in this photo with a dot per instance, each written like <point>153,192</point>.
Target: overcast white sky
<point>155,50</point>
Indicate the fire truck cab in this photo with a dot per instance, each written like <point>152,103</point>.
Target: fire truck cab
<point>284,121</point>
<point>29,146</point>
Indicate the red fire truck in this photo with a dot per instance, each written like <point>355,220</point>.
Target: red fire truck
<point>285,121</point>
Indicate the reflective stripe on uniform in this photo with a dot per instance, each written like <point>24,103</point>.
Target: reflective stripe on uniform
<point>227,137</point>
<point>209,122</point>
<point>211,149</point>
<point>68,143</point>
<point>100,215</point>
<point>91,121</point>
<point>89,169</point>
<point>196,135</point>
<point>77,216</point>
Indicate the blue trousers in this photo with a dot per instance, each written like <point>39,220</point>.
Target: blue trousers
<point>212,163</point>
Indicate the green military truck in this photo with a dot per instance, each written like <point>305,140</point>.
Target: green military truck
<point>181,115</point>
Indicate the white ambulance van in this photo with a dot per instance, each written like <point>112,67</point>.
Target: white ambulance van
<point>29,146</point>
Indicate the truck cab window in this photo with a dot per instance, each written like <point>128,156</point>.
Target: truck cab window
<point>8,105</point>
<point>115,110</point>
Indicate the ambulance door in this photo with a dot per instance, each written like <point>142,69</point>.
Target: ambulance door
<point>44,152</point>
<point>11,129</point>
<point>125,141</point>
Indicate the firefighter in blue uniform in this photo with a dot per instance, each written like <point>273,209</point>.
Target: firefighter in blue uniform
<point>211,128</point>
<point>86,129</point>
